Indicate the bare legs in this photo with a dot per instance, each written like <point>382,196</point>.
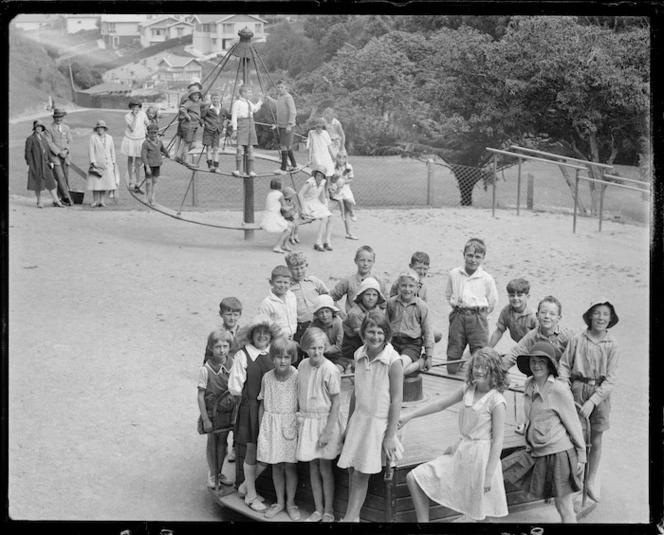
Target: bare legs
<point>252,470</point>
<point>359,483</point>
<point>593,462</point>
<point>419,497</point>
<point>284,477</point>
<point>324,231</point>
<point>322,485</point>
<point>150,188</point>
<point>565,507</point>
<point>281,246</point>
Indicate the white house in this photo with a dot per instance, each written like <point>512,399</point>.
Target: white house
<point>163,28</point>
<point>174,68</point>
<point>81,22</point>
<point>119,30</point>
<point>33,21</point>
<point>217,33</point>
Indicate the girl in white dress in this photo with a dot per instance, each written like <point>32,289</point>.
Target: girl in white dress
<point>321,148</point>
<point>132,143</point>
<point>319,421</point>
<point>371,435</point>
<point>273,221</point>
<point>313,200</point>
<point>277,437</point>
<point>468,477</point>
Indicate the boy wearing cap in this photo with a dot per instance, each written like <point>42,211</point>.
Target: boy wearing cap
<point>151,152</point>
<point>190,113</point>
<point>326,318</point>
<point>58,138</point>
<point>589,365</point>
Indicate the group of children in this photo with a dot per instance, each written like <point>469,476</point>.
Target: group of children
<point>288,414</point>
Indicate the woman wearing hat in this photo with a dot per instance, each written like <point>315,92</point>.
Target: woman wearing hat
<point>550,465</point>
<point>132,143</point>
<point>101,153</point>
<point>40,174</point>
<point>321,148</point>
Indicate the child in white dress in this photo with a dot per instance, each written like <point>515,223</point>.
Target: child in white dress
<point>273,221</point>
<point>313,200</point>
<point>468,477</point>
<point>345,171</point>
<point>277,414</point>
<point>321,148</point>
<point>374,414</point>
<point>319,421</point>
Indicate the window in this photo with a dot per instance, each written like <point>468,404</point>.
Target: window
<point>228,28</point>
<point>259,28</point>
<point>111,27</point>
<point>206,28</point>
<point>179,31</point>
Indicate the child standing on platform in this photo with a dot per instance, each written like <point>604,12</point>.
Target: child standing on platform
<point>365,257</point>
<point>277,438</point>
<point>589,364</point>
<point>374,411</point>
<point>190,112</point>
<point>132,143</point>
<point>472,294</point>
<point>468,477</point>
<point>151,153</point>
<point>313,200</point>
<point>326,318</point>
<point>319,419</point>
<point>215,402</point>
<point>368,298</point>
<point>518,317</point>
<point>281,305</point>
<point>321,152</point>
<point>213,116</point>
<point>244,129</point>
<point>273,221</point>
<point>249,366</point>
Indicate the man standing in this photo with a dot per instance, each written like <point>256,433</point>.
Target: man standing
<point>285,122</point>
<point>59,140</point>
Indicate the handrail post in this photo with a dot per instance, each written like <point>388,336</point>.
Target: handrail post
<point>429,181</point>
<point>602,189</point>
<point>194,194</point>
<point>518,188</point>
<point>576,196</point>
<point>495,178</point>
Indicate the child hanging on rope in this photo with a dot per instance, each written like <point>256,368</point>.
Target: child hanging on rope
<point>214,116</point>
<point>244,129</point>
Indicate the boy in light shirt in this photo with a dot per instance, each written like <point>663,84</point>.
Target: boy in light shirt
<point>518,317</point>
<point>281,305</point>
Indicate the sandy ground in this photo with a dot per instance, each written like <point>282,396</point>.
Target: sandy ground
<point>109,312</point>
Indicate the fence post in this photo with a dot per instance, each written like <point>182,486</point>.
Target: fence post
<point>602,189</point>
<point>576,196</point>
<point>495,178</point>
<point>530,191</point>
<point>194,193</point>
<point>429,182</point>
<point>518,187</point>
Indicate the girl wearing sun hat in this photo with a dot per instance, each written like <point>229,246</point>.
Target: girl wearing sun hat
<point>589,365</point>
<point>101,152</point>
<point>549,467</point>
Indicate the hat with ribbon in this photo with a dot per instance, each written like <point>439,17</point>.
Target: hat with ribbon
<point>59,112</point>
<point>540,349</point>
<point>37,123</point>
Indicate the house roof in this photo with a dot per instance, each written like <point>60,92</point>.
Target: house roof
<point>123,18</point>
<point>107,87</point>
<point>177,61</point>
<point>43,18</point>
<point>207,19</point>
<point>165,21</point>
<point>83,16</point>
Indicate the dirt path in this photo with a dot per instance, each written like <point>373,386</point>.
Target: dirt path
<point>109,312</point>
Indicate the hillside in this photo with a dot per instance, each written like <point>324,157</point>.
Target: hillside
<point>33,76</point>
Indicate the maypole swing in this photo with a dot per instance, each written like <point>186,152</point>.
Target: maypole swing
<point>247,58</point>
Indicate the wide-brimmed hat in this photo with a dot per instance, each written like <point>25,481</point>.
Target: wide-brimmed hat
<point>100,124</point>
<point>601,301</point>
<point>324,301</point>
<point>289,192</point>
<point>37,123</point>
<point>245,334</point>
<point>194,90</point>
<point>369,284</point>
<point>59,112</point>
<point>152,128</point>
<point>135,102</point>
<point>539,349</point>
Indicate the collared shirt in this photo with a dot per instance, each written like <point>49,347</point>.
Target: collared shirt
<point>476,290</point>
<point>518,323</point>
<point>306,291</point>
<point>238,374</point>
<point>552,423</point>
<point>243,109</point>
<point>559,338</point>
<point>352,323</point>
<point>349,287</point>
<point>411,319</point>
<point>334,333</point>
<point>206,370</point>
<point>592,359</point>
<point>282,311</point>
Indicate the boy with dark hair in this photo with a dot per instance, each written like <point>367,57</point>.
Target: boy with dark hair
<point>518,316</point>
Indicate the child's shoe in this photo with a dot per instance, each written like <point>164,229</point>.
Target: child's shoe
<point>210,481</point>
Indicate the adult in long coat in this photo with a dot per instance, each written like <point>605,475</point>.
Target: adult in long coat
<point>101,152</point>
<point>40,175</point>
<point>58,137</point>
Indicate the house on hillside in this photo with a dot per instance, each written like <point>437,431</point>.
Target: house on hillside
<point>81,22</point>
<point>217,33</point>
<point>174,68</point>
<point>163,28</point>
<point>120,30</point>
<point>34,21</point>
<point>104,95</point>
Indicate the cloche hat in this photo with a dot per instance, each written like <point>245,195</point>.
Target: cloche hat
<point>318,169</point>
<point>324,301</point>
<point>601,301</point>
<point>37,123</point>
<point>101,124</point>
<point>194,90</point>
<point>540,349</point>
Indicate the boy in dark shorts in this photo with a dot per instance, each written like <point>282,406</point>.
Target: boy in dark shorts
<point>213,116</point>
<point>151,153</point>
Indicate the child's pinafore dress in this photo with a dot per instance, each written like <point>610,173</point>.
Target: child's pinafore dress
<point>247,426</point>
<point>456,478</point>
<point>363,448</point>
<point>277,439</point>
<point>315,385</point>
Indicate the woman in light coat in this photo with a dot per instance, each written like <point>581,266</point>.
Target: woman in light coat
<point>101,152</point>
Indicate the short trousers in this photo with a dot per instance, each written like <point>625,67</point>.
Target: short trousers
<point>154,170</point>
<point>188,134</point>
<point>405,345</point>
<point>285,138</point>
<point>211,139</point>
<point>599,418</point>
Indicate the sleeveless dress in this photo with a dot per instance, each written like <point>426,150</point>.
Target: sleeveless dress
<point>246,425</point>
<point>315,385</point>
<point>132,143</point>
<point>312,206</point>
<point>456,478</point>
<point>363,448</point>
<point>277,439</point>
<point>272,220</point>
